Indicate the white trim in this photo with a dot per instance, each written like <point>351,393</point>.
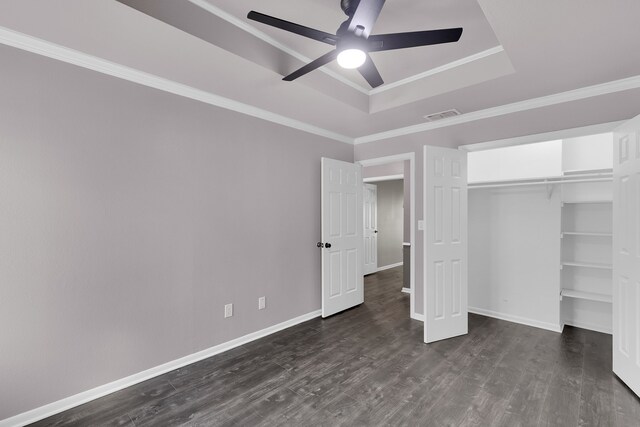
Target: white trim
<point>406,243</point>
<point>440,69</point>
<point>417,316</point>
<point>405,290</point>
<point>516,319</point>
<point>589,326</point>
<point>529,104</point>
<point>95,393</point>
<point>411,157</point>
<point>544,137</point>
<point>390,266</point>
<point>51,50</point>
<point>384,178</point>
<point>273,42</point>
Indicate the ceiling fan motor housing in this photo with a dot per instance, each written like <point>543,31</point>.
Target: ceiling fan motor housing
<point>349,6</point>
<point>351,41</point>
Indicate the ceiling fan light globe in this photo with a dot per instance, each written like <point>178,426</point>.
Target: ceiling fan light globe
<point>351,58</point>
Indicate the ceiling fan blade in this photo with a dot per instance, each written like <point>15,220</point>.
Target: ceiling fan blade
<point>323,60</point>
<point>365,16</point>
<point>311,33</point>
<point>370,73</point>
<point>381,42</point>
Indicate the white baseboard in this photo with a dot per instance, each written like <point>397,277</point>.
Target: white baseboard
<point>406,290</point>
<point>590,326</point>
<point>417,316</point>
<point>95,393</point>
<point>386,267</point>
<point>516,319</point>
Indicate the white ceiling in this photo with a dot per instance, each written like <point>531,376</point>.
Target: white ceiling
<point>548,47</point>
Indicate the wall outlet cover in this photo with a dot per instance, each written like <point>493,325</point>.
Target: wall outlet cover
<point>421,224</point>
<point>228,310</point>
<point>262,303</point>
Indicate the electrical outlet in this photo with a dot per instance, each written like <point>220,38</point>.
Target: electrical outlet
<point>421,224</point>
<point>262,303</point>
<point>228,310</point>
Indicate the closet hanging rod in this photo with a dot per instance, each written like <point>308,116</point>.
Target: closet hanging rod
<point>540,182</point>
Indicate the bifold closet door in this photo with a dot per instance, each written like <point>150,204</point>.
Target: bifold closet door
<point>445,243</point>
<point>626,254</point>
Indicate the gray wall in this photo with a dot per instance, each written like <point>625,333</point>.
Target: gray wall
<point>390,222</point>
<point>129,217</point>
<point>406,250</point>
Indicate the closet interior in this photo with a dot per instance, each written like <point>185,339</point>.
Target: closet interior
<point>540,233</point>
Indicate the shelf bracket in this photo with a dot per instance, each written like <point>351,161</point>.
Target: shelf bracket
<point>549,189</point>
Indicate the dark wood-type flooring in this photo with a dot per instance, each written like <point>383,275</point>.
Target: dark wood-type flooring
<point>369,366</point>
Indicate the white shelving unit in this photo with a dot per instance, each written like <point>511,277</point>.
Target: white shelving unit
<point>587,202</point>
<point>584,233</point>
<point>597,265</point>
<point>586,252</point>
<point>589,296</point>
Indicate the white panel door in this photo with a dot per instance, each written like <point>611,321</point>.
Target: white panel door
<point>626,254</point>
<point>445,241</point>
<point>370,229</point>
<point>342,279</point>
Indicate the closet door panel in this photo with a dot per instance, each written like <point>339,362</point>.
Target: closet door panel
<point>626,254</point>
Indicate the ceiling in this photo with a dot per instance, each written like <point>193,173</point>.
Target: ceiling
<point>398,16</point>
<point>512,52</point>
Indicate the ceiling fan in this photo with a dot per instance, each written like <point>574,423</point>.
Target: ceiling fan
<point>353,40</point>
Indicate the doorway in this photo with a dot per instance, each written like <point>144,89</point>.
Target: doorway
<point>400,172</point>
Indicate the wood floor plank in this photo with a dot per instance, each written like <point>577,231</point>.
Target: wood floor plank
<point>562,400</point>
<point>596,397</point>
<point>113,409</point>
<point>368,366</point>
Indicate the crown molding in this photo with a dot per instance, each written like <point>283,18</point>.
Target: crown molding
<point>441,69</point>
<point>51,50</point>
<point>203,4</point>
<point>530,104</point>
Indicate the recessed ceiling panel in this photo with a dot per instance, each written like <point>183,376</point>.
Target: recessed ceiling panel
<point>396,16</point>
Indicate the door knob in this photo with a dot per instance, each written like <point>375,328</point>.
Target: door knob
<point>327,245</point>
<point>375,231</point>
<point>320,245</point>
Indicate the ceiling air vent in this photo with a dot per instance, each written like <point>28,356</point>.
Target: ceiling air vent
<point>442,115</point>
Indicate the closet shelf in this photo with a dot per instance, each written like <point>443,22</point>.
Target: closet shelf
<point>585,202</point>
<point>591,296</point>
<point>584,233</point>
<point>563,179</point>
<point>587,265</point>
<point>575,172</point>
